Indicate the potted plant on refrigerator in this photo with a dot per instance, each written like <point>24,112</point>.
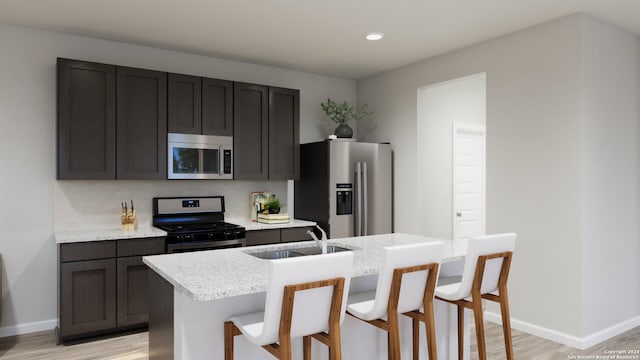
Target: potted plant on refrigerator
<point>342,114</point>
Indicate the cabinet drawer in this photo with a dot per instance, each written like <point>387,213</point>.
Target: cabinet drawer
<point>263,237</point>
<point>145,246</point>
<point>295,234</point>
<point>87,250</point>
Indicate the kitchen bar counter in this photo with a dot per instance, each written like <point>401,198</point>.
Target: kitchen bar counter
<point>192,294</point>
<point>219,274</point>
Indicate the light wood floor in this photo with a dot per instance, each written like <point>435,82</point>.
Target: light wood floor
<point>134,347</point>
<point>527,346</point>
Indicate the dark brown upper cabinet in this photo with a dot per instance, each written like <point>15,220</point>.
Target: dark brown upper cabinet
<point>284,134</point>
<point>200,105</point>
<point>217,107</point>
<point>141,124</point>
<point>184,104</point>
<point>266,132</point>
<point>251,131</point>
<point>86,120</point>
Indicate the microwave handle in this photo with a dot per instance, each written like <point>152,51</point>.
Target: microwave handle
<point>221,161</point>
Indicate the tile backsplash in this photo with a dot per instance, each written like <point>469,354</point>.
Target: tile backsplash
<point>95,204</point>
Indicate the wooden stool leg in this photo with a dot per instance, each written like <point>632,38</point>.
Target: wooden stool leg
<point>460,332</point>
<point>306,347</point>
<point>285,348</point>
<point>506,324</point>
<point>335,351</point>
<point>430,329</point>
<point>228,340</point>
<point>416,338</point>
<point>393,336</point>
<point>477,316</point>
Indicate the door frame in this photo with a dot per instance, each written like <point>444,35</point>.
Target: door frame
<point>474,129</point>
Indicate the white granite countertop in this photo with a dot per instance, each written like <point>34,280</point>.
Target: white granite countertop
<point>72,236</point>
<point>250,225</point>
<point>218,274</point>
<point>63,237</point>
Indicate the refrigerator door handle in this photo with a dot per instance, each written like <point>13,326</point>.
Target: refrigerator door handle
<point>365,196</point>
<point>358,218</point>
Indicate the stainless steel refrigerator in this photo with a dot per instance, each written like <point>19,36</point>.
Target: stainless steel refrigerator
<point>346,187</point>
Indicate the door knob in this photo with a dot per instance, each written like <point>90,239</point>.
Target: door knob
<point>459,214</point>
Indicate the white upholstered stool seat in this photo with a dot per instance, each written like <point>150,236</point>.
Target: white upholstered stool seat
<point>305,298</point>
<point>406,283</point>
<point>485,274</point>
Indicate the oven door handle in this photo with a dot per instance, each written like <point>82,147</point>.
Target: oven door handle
<point>203,245</point>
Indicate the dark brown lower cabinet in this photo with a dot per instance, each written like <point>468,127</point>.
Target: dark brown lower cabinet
<point>87,291</point>
<point>274,236</point>
<point>104,286</point>
<point>133,291</point>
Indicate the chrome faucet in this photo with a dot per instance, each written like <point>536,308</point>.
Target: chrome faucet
<point>322,245</point>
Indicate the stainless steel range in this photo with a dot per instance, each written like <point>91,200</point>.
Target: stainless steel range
<point>195,223</point>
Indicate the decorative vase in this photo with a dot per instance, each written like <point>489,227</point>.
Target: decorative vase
<point>344,131</point>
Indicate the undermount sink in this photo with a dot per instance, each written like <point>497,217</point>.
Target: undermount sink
<point>283,254</point>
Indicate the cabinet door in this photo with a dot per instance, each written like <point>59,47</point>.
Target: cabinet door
<point>133,291</point>
<point>296,234</point>
<point>87,296</point>
<point>250,132</point>
<point>141,124</point>
<point>284,134</point>
<point>184,104</point>
<point>217,107</point>
<point>262,237</point>
<point>86,120</point>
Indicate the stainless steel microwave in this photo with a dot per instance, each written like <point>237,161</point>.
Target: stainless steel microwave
<point>200,156</point>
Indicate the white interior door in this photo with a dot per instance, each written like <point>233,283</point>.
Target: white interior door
<point>468,181</point>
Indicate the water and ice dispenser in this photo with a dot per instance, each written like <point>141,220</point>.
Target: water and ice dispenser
<point>344,199</point>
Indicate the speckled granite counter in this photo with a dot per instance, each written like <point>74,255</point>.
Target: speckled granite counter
<point>250,225</point>
<point>219,274</point>
<point>63,237</point>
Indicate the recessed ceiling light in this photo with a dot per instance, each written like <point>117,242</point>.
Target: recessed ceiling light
<point>374,36</point>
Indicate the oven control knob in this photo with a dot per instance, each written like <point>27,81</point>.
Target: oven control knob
<point>228,235</point>
<point>238,234</point>
<point>185,237</point>
<point>211,236</point>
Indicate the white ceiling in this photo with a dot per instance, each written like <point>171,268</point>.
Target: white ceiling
<point>319,36</point>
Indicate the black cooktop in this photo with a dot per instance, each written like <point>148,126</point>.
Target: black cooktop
<point>198,227</point>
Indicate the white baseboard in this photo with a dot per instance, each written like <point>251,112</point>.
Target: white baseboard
<point>28,328</point>
<point>566,339</point>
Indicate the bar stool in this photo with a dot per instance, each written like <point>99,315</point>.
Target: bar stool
<point>304,299</point>
<point>406,282</point>
<point>486,270</point>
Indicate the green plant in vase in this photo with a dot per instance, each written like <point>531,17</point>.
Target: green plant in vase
<point>272,205</point>
<point>342,114</point>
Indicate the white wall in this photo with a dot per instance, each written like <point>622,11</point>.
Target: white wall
<point>459,101</point>
<point>562,167</point>
<point>611,154</point>
<point>533,153</point>
<point>28,189</point>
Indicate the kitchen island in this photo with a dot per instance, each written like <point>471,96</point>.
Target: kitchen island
<point>192,294</point>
